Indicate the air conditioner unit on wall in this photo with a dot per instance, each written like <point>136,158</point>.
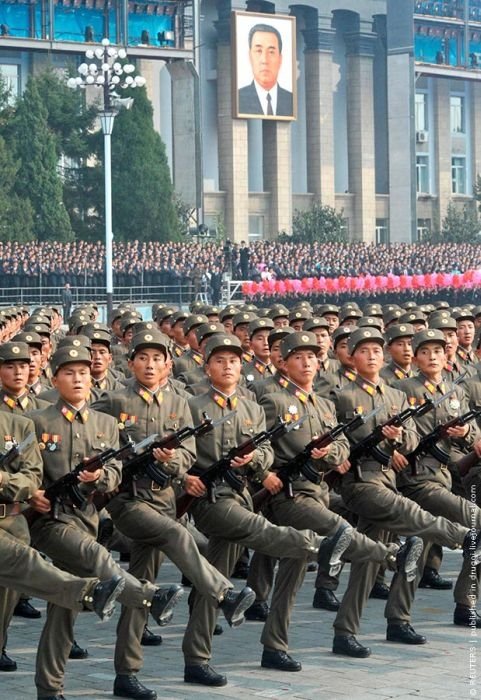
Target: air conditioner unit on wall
<point>422,136</point>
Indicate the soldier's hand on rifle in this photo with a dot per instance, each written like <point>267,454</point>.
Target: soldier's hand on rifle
<point>193,486</point>
<point>320,452</point>
<point>272,483</point>
<point>163,455</point>
<point>343,468</point>
<point>390,432</point>
<point>40,503</point>
<point>239,462</point>
<point>398,461</point>
<point>86,477</point>
<point>458,431</point>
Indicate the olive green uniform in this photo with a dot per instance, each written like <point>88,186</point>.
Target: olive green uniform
<point>23,570</point>
<point>67,437</point>
<point>431,486</point>
<point>380,507</point>
<point>230,524</point>
<point>148,517</point>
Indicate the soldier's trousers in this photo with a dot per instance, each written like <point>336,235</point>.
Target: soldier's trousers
<point>153,532</point>
<point>438,500</point>
<point>382,510</point>
<point>230,525</point>
<point>74,549</point>
<point>9,597</point>
<point>23,569</point>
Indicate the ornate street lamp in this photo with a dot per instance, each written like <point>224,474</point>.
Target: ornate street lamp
<point>103,69</point>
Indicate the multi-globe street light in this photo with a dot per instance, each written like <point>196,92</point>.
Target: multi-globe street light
<point>105,68</point>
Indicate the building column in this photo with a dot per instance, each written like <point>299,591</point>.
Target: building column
<point>401,126</point>
<point>442,130</point>
<point>475,89</point>
<point>276,141</point>
<point>320,111</point>
<point>232,137</point>
<point>360,133</point>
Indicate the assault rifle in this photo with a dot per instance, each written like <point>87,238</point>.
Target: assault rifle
<point>68,487</point>
<point>428,444</point>
<point>144,464</point>
<point>369,446</point>
<point>301,464</point>
<point>222,468</point>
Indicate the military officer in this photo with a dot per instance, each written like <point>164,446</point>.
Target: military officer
<point>229,522</point>
<point>68,432</point>
<point>145,512</point>
<point>430,486</point>
<point>369,490</point>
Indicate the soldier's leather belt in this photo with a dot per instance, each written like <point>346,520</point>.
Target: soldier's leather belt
<point>9,509</point>
<point>374,467</point>
<point>423,466</point>
<point>149,485</point>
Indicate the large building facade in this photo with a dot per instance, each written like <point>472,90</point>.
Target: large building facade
<point>388,105</point>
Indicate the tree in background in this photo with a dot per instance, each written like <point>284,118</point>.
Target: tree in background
<point>142,193</point>
<point>460,226</point>
<point>320,223</point>
<point>38,179</point>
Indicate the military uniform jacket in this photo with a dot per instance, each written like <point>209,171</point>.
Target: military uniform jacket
<point>108,383</point>
<point>325,385</point>
<point>454,369</point>
<point>67,437</point>
<point>203,386</point>
<point>362,395</point>
<point>328,366</point>
<point>416,390</point>
<point>139,414</point>
<point>191,376</point>
<point>291,404</point>
<point>256,370</point>
<point>23,476</point>
<point>187,361</point>
<point>22,405</point>
<point>249,419</point>
<point>392,373</point>
<point>267,386</point>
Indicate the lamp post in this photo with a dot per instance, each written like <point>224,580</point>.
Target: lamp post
<point>103,70</point>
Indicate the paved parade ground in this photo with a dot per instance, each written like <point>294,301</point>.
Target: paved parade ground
<point>440,669</point>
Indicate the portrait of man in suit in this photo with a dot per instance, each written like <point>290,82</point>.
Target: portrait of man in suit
<point>264,96</point>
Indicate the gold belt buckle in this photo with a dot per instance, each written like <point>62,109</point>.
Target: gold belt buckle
<point>385,468</point>
<point>3,511</point>
<point>155,487</point>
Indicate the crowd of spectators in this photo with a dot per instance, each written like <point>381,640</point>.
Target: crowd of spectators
<point>152,264</point>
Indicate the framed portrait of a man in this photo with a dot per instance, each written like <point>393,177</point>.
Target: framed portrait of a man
<point>264,66</point>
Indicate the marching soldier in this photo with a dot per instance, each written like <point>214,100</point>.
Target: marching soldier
<point>230,523</point>
<point>145,512</point>
<point>369,490</point>
<point>68,432</point>
<point>430,487</point>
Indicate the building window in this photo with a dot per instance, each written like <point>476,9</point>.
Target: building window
<point>423,229</point>
<point>256,227</point>
<point>10,74</point>
<point>458,174</point>
<point>421,111</point>
<point>422,174</point>
<point>458,123</point>
<point>382,231</point>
